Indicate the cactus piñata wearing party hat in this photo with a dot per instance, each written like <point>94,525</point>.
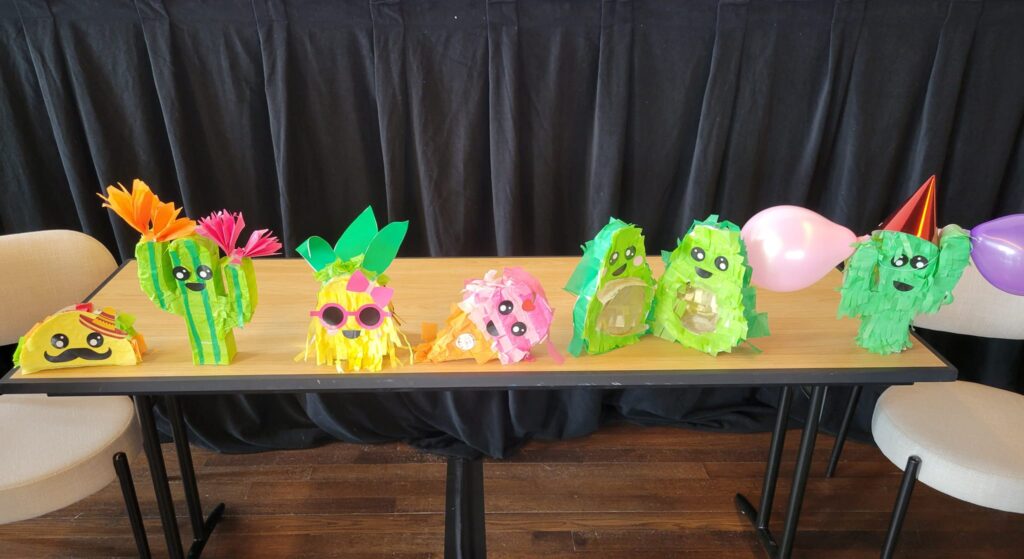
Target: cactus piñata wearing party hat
<point>904,269</point>
<point>704,299</point>
<point>180,269</point>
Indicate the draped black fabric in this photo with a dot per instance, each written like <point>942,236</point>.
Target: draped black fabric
<point>510,127</point>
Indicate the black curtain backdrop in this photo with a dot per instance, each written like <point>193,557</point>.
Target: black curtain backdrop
<point>510,128</point>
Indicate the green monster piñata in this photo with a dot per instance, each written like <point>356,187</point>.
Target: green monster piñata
<point>900,272</point>
<point>614,288</point>
<point>705,300</point>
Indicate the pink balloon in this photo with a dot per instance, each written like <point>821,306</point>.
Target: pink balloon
<point>790,247</point>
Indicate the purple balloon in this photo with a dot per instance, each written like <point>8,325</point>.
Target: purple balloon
<point>998,252</point>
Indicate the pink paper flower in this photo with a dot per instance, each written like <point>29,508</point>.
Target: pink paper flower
<point>225,228</point>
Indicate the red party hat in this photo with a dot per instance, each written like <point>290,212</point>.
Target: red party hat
<point>917,215</point>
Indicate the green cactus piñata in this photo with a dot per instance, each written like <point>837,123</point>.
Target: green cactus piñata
<point>893,276</point>
<point>181,271</point>
<point>188,278</point>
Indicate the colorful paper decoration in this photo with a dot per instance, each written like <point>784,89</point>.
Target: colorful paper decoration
<point>183,273</point>
<point>899,272</point>
<point>704,299</point>
<point>500,316</point>
<point>79,337</point>
<point>354,326</point>
<point>614,289</point>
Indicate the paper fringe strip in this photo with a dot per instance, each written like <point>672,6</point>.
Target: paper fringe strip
<point>886,314</point>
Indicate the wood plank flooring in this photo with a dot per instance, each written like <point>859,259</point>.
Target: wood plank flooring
<point>624,492</point>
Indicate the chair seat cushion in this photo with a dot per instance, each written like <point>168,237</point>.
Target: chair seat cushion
<point>57,451</point>
<point>967,435</point>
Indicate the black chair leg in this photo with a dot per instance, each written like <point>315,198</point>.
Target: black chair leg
<point>131,503</point>
<point>900,510</point>
<point>844,427</point>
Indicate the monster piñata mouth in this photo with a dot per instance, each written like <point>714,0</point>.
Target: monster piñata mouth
<point>351,334</point>
<point>702,272</point>
<point>900,286</point>
<point>195,286</point>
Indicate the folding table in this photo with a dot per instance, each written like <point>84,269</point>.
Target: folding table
<point>808,347</point>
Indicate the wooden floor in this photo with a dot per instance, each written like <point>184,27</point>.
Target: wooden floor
<point>625,492</point>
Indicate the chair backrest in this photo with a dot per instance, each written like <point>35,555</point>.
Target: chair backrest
<point>978,309</point>
<point>45,271</point>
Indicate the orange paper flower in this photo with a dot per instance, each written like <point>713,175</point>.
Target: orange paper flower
<point>140,208</point>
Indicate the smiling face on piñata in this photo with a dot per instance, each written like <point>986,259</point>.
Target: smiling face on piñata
<point>614,287</point>
<point>900,272</point>
<point>512,309</point>
<point>77,338</point>
<point>703,298</point>
<point>352,327</point>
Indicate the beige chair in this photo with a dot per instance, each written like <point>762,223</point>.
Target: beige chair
<point>58,451</point>
<point>960,438</point>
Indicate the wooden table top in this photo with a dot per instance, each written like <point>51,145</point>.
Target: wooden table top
<point>808,345</point>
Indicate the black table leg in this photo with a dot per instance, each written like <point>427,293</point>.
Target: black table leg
<point>844,428</point>
<point>200,530</point>
<point>155,457</point>
<point>759,517</point>
<point>803,466</point>
<point>131,504</point>
<point>464,532</point>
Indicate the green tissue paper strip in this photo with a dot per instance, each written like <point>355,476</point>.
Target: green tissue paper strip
<point>614,263</point>
<point>882,285</point>
<point>715,313</point>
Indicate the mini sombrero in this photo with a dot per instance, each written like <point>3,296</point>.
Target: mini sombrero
<point>102,322</point>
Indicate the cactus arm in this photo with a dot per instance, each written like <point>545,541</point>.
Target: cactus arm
<point>242,297</point>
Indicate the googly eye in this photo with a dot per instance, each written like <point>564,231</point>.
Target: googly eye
<point>181,273</point>
<point>518,329</point>
<point>630,252</point>
<point>59,341</point>
<point>722,263</point>
<point>204,272</point>
<point>614,257</point>
<point>697,254</point>
<point>505,307</point>
<point>899,261</point>
<point>918,262</point>
<point>94,340</point>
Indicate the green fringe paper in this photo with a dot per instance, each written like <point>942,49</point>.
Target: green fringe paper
<point>870,281</point>
<point>735,300</point>
<point>594,276</point>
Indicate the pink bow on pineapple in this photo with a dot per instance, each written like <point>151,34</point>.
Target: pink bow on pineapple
<point>224,228</point>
